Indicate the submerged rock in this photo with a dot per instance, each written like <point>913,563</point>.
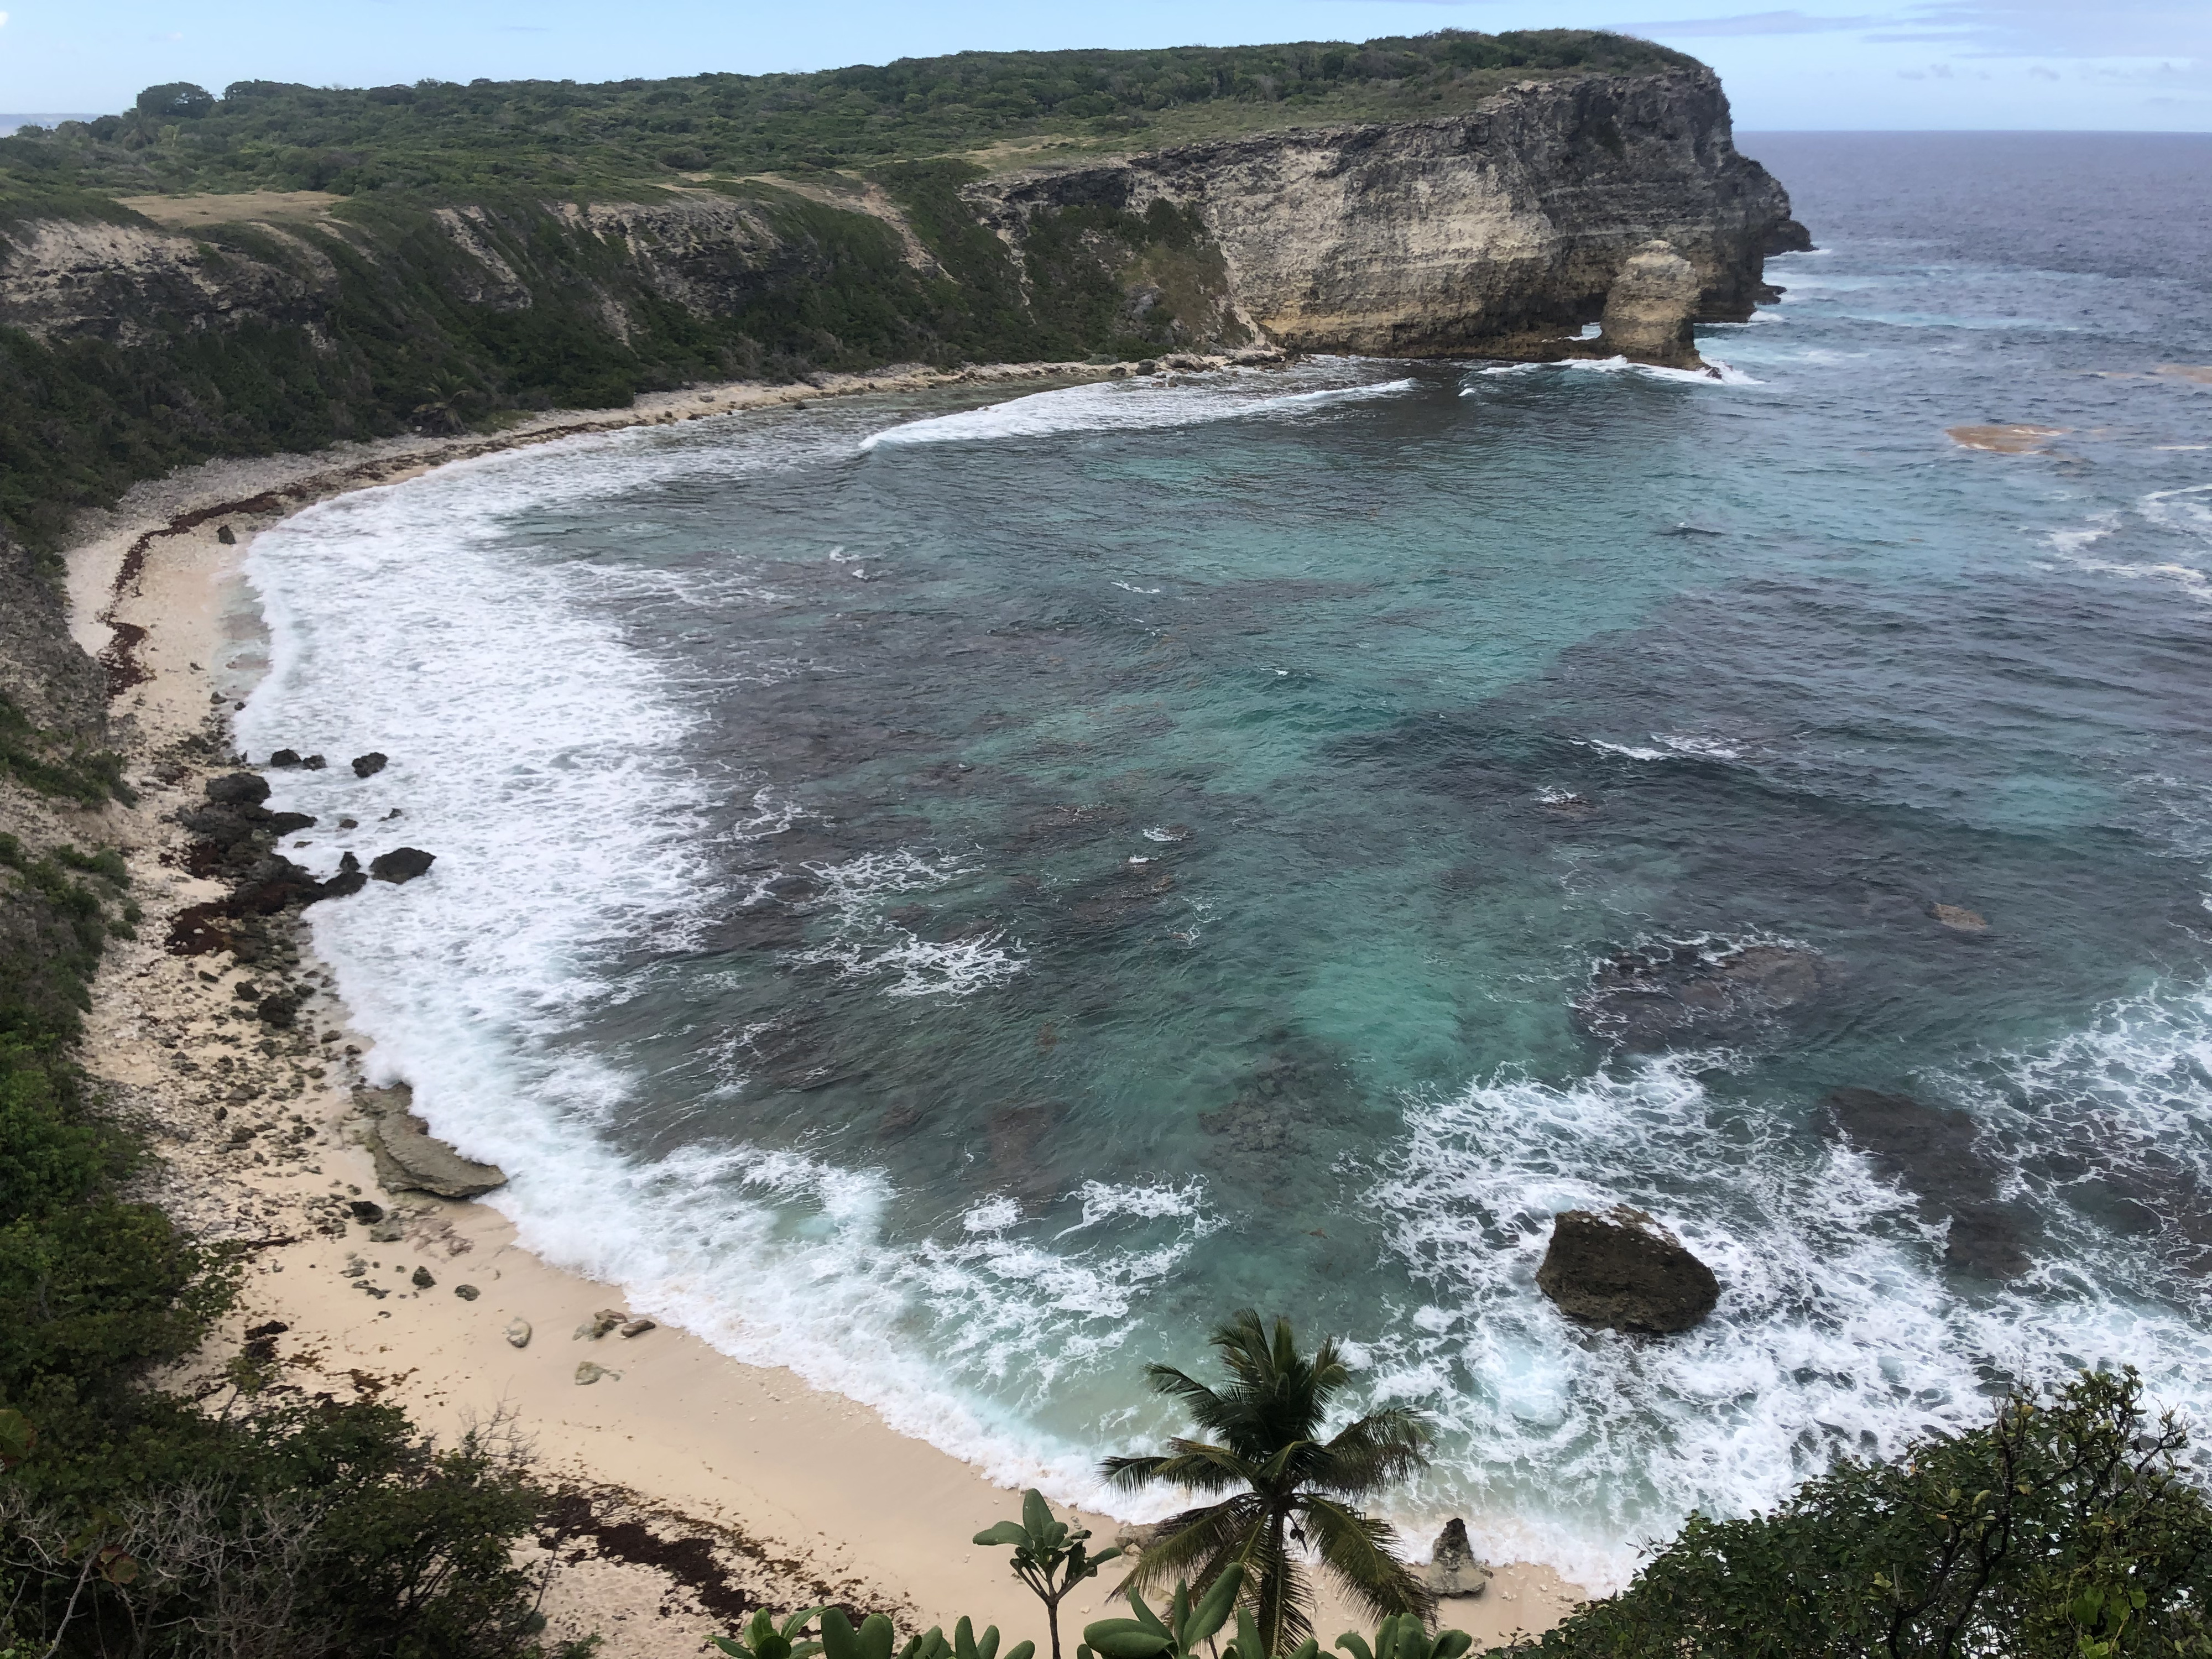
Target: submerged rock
<point>1933,1150</point>
<point>1649,307</point>
<point>402,864</point>
<point>1655,995</point>
<point>1624,1270</point>
<point>1959,918</point>
<point>1452,1568</point>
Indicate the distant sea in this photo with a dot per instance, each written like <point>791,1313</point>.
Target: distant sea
<point>953,894</point>
<point>11,125</point>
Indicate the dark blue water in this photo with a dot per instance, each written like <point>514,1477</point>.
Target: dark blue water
<point>955,898</point>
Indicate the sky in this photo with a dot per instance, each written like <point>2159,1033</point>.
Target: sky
<point>1843,64</point>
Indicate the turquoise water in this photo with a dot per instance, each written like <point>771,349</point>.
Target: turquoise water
<point>955,896</point>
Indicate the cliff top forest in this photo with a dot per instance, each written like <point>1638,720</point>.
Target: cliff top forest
<point>438,140</point>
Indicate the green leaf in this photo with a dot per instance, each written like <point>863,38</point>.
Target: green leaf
<point>876,1638</point>
<point>838,1641</point>
<point>1006,1532</point>
<point>1036,1513</point>
<point>1125,1638</point>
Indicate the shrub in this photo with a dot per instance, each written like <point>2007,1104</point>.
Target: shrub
<point>2063,1529</point>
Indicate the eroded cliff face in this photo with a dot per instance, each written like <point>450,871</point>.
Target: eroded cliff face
<point>133,346</point>
<point>1487,233</point>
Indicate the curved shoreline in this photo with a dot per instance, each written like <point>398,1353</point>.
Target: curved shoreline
<point>803,1494</point>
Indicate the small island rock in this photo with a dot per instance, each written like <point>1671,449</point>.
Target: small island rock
<point>1624,1270</point>
<point>369,765</point>
<point>1649,307</point>
<point>1452,1568</point>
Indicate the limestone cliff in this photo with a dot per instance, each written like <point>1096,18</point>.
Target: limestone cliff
<point>143,339</point>
<point>1483,232</point>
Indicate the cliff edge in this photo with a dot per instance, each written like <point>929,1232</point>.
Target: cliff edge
<point>1482,233</point>
<point>161,331</point>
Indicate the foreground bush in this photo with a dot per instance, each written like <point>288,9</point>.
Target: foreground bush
<point>132,1521</point>
<point>2061,1530</point>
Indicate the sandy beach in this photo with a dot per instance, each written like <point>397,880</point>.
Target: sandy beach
<point>704,1486</point>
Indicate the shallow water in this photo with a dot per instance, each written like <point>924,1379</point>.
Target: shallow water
<point>954,898</point>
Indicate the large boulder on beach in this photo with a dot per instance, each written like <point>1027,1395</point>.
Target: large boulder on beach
<point>409,1158</point>
<point>1649,307</point>
<point>1623,1270</point>
<point>238,788</point>
<point>1452,1568</point>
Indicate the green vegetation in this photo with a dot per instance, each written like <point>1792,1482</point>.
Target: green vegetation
<point>1266,1454</point>
<point>1188,1630</point>
<point>2061,1530</point>
<point>137,1521</point>
<point>453,143</point>
<point>763,1639</point>
<point>49,763</point>
<point>1050,1557</point>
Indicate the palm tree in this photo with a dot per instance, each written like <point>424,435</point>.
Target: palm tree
<point>1279,1483</point>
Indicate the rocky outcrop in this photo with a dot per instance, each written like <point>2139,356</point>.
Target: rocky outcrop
<point>1650,309</point>
<point>1495,232</point>
<point>409,1158</point>
<point>54,685</point>
<point>1452,1568</point>
<point>1624,1270</point>
<point>401,863</point>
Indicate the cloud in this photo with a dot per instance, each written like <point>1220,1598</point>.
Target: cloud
<point>4,20</point>
<point>1758,22</point>
<point>2069,28</point>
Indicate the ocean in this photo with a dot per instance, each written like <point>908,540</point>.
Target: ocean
<point>956,894</point>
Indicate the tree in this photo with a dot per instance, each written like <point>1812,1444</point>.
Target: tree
<point>2063,1530</point>
<point>176,100</point>
<point>1281,1489</point>
<point>1050,1557</point>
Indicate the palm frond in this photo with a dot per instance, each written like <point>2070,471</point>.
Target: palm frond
<point>1358,1553</point>
<point>1194,1546</point>
<point>1191,1463</point>
<point>1379,1449</point>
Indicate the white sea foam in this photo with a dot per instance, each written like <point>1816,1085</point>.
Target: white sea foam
<point>2176,524</point>
<point>1716,373</point>
<point>1836,1331</point>
<point>862,943</point>
<point>545,763</point>
<point>1124,406</point>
